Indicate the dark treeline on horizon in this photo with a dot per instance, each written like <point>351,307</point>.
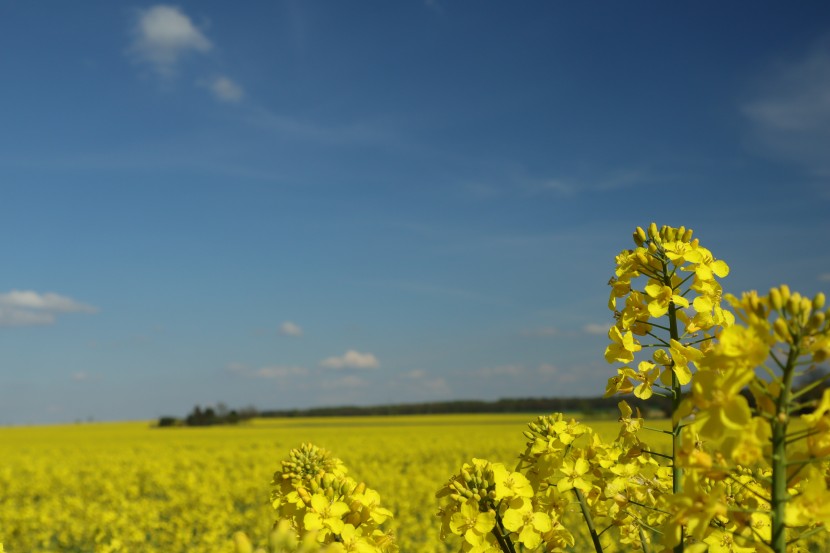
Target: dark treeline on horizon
<point>596,406</point>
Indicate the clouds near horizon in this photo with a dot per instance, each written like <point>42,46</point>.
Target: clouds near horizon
<point>351,360</point>
<point>30,308</point>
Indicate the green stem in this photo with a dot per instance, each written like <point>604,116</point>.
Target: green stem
<point>677,472</point>
<point>644,541</point>
<point>505,543</point>
<point>780,494</point>
<point>589,521</point>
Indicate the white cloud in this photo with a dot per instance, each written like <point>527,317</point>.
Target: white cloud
<point>226,90</point>
<point>270,372</point>
<point>502,370</point>
<point>29,308</point>
<point>597,329</point>
<point>791,113</point>
<point>547,369</point>
<point>544,331</point>
<point>279,372</point>
<point>290,329</point>
<point>163,35</point>
<point>351,360</point>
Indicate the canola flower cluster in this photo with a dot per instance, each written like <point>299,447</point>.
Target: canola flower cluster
<point>746,472</point>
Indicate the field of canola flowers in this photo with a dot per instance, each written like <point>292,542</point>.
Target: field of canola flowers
<point>113,487</point>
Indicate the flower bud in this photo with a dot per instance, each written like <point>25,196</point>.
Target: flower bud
<point>775,299</point>
<point>670,234</point>
<point>805,305</point>
<point>640,236</point>
<point>782,332</point>
<point>652,247</point>
<point>785,292</point>
<point>794,303</point>
<point>817,320</point>
<point>818,301</point>
<point>652,231</point>
<point>687,236</point>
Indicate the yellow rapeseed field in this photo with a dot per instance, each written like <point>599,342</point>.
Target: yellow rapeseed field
<point>110,487</point>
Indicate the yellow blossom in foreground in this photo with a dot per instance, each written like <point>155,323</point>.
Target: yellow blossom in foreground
<point>622,346</point>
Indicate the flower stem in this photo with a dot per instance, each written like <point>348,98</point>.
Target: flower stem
<point>780,494</point>
<point>589,521</point>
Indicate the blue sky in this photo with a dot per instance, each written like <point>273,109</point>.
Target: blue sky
<point>293,204</point>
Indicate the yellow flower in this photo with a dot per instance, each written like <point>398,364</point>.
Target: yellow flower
<point>724,542</point>
<point>511,484</point>
<point>812,505</point>
<point>681,356</point>
<point>622,346</point>
<point>574,471</point>
<point>722,408</point>
<point>325,515</point>
<point>470,520</point>
<point>530,525</point>
<point>661,295</point>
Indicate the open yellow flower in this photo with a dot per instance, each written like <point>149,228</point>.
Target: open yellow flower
<point>622,346</point>
<point>660,296</point>
<point>574,472</point>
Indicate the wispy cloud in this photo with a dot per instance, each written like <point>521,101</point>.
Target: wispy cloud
<point>824,277</point>
<point>791,113</point>
<point>290,329</point>
<point>596,329</point>
<point>226,90</point>
<point>542,332</point>
<point>279,372</point>
<point>351,360</point>
<point>268,372</point>
<point>28,308</point>
<point>163,35</point>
